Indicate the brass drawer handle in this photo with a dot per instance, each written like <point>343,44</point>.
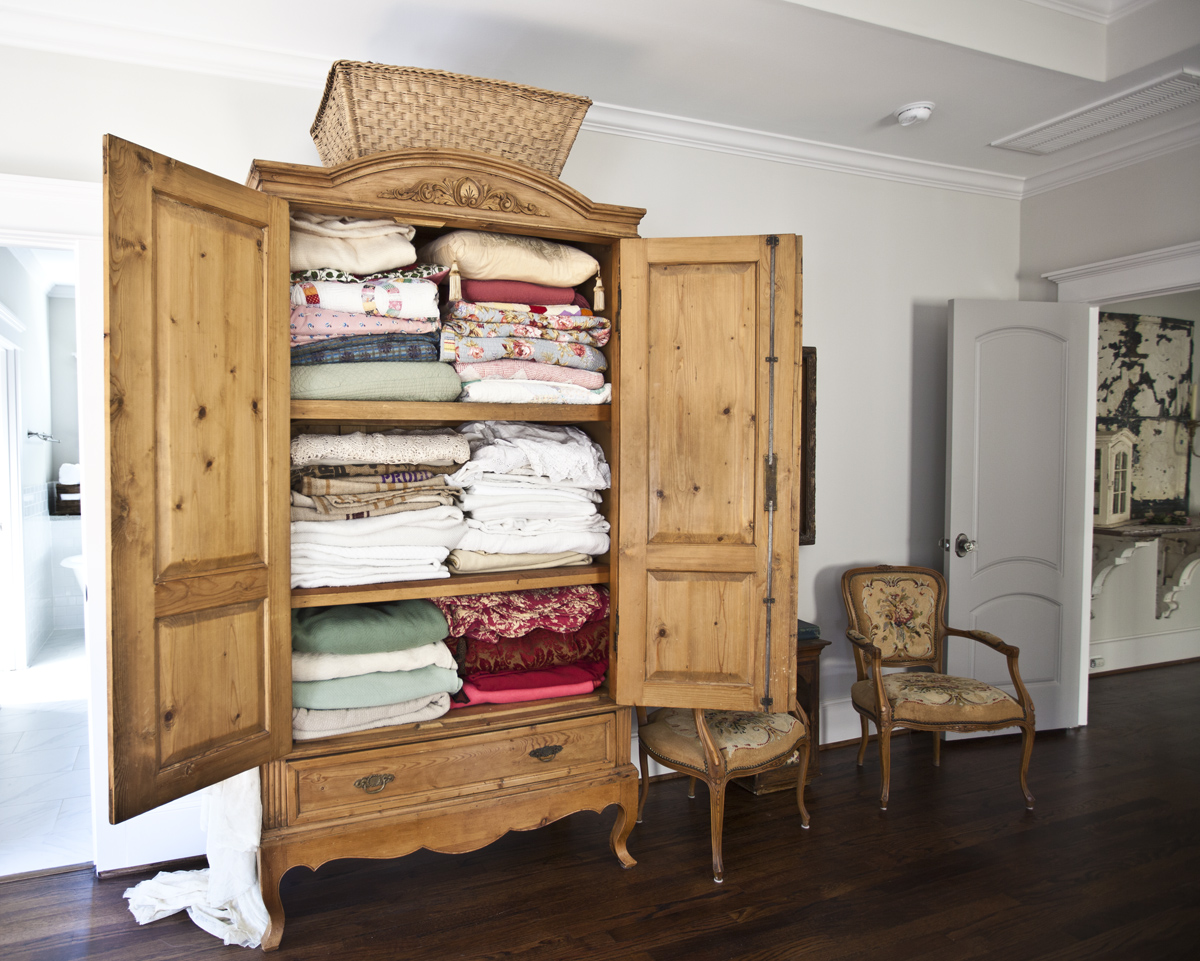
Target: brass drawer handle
<point>374,783</point>
<point>546,753</point>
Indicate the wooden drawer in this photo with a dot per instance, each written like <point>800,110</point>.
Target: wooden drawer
<point>362,783</point>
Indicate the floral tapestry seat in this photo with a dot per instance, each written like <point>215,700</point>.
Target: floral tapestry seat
<point>897,621</point>
<point>731,744</point>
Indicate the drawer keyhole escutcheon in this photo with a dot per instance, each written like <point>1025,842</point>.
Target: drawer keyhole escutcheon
<point>546,753</point>
<point>374,783</point>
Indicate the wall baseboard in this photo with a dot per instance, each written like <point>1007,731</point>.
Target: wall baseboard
<point>1149,650</point>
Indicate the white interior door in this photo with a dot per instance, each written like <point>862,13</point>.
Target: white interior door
<point>1019,464</point>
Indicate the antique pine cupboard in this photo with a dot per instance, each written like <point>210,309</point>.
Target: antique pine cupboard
<point>701,437</point>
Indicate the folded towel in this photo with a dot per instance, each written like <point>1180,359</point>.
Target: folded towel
<point>583,542</point>
<point>69,474</point>
<point>406,481</point>
<point>475,562</point>
<point>319,323</point>
<point>531,392</point>
<point>324,667</point>
<point>374,690</point>
<point>349,244</point>
<point>559,453</point>
<point>376,380</point>
<point>307,724</point>
<point>523,504</point>
<point>462,349</point>
<point>328,577</point>
<point>367,628</point>
<point>437,527</point>
<point>529,370</point>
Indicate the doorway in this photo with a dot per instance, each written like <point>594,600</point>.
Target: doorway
<point>45,782</point>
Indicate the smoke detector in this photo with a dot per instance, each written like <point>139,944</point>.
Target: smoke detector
<point>912,113</point>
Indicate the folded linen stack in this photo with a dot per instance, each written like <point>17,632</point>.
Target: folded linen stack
<point>364,324</point>
<point>530,493</point>
<point>363,666</point>
<point>517,304</point>
<point>529,645</point>
<point>374,508</point>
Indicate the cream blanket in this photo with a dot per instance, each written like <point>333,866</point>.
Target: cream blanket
<point>324,667</point>
<point>436,447</point>
<point>355,246</point>
<point>308,724</point>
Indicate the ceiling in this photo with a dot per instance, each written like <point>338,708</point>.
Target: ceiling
<point>801,81</point>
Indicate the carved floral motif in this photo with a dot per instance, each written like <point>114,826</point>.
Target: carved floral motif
<point>464,192</point>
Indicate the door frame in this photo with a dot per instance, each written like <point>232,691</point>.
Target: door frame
<point>12,539</point>
<point>1150,273</point>
<point>68,215</point>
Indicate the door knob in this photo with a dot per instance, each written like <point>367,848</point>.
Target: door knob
<point>944,544</point>
<point>963,545</point>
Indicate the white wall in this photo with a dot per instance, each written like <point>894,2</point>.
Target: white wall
<point>1142,207</point>
<point>881,261</point>
<point>64,377</point>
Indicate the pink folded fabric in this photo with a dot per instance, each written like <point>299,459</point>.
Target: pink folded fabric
<point>520,292</point>
<point>508,687</point>
<point>529,370</point>
<point>309,324</point>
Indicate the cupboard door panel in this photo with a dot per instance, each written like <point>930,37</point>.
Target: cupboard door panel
<point>700,572</point>
<point>197,380</point>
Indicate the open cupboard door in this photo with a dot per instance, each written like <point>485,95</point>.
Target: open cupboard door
<point>196,324</point>
<point>710,340</point>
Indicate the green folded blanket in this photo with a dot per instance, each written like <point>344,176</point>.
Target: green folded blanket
<point>367,628</point>
<point>376,380</point>
<point>374,690</point>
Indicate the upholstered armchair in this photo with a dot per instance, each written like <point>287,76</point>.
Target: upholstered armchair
<point>715,746</point>
<point>897,620</point>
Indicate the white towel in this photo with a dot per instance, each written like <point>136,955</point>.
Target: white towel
<point>585,542</point>
<point>224,899</point>
<point>539,525</point>
<point>531,392</point>
<point>69,474</point>
<point>319,666</point>
<point>390,530</point>
<point>308,724</point>
<point>346,243</point>
<point>522,504</point>
<point>355,577</point>
<point>559,453</point>
<point>505,484</point>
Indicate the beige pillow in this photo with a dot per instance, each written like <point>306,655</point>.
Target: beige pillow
<point>484,256</point>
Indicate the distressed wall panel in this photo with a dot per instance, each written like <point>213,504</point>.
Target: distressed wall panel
<point>1145,384</point>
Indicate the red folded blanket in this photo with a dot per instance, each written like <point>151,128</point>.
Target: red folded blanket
<point>513,686</point>
<point>519,292</point>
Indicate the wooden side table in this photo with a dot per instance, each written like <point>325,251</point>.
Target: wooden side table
<point>808,693</point>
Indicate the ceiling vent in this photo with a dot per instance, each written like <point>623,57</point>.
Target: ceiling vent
<point>1178,90</point>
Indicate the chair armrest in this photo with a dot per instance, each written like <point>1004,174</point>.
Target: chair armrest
<point>862,643</point>
<point>984,637</point>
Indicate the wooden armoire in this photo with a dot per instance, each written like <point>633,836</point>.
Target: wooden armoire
<point>702,438</point>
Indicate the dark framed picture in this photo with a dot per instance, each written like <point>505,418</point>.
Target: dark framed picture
<point>808,446</point>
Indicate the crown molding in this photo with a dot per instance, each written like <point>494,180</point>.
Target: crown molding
<point>83,37</point>
<point>1185,135</point>
<point>45,212</point>
<point>1097,11</point>
<point>761,145</point>
<point>1153,273</point>
<point>105,41</point>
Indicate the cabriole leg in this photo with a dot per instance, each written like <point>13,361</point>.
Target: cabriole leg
<point>1026,753</point>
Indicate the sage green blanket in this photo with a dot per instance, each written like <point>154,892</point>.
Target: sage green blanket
<point>367,628</point>
<point>374,690</point>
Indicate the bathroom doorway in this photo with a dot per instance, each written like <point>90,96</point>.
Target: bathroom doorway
<point>45,781</point>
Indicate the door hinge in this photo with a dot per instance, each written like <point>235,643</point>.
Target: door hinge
<point>770,482</point>
<point>768,600</point>
<point>772,241</point>
<point>617,315</point>
<point>767,702</point>
<point>616,633</point>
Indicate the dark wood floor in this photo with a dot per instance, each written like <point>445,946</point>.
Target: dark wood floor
<point>1106,867</point>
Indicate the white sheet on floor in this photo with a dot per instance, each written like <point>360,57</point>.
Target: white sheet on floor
<point>224,899</point>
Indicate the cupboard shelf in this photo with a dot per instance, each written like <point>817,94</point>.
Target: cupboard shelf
<point>454,586</point>
<point>425,412</point>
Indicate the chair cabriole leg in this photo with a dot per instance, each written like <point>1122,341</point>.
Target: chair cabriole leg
<point>937,748</point>
<point>644,783</point>
<point>862,745</point>
<point>1026,751</point>
<point>801,780</point>
<point>716,795</point>
<point>692,788</point>
<point>885,762</point>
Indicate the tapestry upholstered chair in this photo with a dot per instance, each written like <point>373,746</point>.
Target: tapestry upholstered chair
<point>897,620</point>
<point>718,745</point>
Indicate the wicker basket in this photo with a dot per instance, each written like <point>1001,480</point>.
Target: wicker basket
<point>371,107</point>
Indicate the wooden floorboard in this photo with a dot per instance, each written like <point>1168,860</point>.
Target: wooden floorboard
<point>1106,867</point>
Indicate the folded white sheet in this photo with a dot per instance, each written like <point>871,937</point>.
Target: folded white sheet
<point>308,724</point>
<point>585,542</point>
<point>324,667</point>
